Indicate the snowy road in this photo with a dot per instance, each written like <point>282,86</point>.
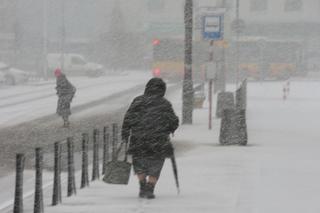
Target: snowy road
<point>28,102</point>
<point>28,119</point>
<point>277,172</point>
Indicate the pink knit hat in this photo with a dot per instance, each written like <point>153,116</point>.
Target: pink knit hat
<point>57,72</point>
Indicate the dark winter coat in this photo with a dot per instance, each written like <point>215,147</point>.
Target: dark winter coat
<point>65,92</point>
<point>149,121</point>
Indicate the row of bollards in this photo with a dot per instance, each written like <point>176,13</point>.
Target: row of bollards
<point>233,129</point>
<point>71,180</point>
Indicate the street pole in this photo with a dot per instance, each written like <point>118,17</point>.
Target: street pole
<point>237,44</point>
<point>63,34</point>
<point>187,96</point>
<point>45,39</point>
<point>210,104</point>
<point>210,87</point>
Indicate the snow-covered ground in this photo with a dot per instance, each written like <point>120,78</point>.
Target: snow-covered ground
<point>34,100</point>
<point>277,172</point>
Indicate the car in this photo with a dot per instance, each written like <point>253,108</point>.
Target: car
<point>74,65</point>
<point>12,76</point>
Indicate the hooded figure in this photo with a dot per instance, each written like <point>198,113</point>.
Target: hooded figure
<point>65,92</point>
<point>148,122</point>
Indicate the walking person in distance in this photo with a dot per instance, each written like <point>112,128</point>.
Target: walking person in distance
<point>65,93</point>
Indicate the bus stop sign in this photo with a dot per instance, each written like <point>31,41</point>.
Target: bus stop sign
<point>212,27</point>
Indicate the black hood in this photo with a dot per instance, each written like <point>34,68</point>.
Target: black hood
<point>155,87</point>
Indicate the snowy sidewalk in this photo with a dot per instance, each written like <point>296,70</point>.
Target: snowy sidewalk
<point>277,172</point>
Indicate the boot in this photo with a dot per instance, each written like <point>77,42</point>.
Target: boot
<point>149,191</point>
<point>142,193</point>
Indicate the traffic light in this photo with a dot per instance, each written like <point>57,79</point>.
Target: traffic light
<point>155,42</point>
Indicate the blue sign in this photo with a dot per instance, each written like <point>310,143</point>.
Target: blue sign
<point>212,28</point>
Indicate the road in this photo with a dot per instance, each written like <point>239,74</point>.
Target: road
<point>28,116</point>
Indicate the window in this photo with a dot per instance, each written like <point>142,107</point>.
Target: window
<point>259,5</point>
<point>156,5</point>
<point>293,5</point>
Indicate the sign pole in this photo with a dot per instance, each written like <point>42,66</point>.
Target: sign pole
<point>212,30</point>
<point>210,88</point>
<point>210,104</point>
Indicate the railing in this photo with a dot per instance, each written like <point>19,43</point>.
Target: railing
<point>60,157</point>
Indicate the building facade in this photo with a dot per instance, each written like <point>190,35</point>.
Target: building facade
<point>286,20</point>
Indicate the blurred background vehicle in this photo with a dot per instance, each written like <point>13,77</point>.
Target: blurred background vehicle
<point>168,59</point>
<point>73,64</point>
<point>269,59</point>
<point>13,76</point>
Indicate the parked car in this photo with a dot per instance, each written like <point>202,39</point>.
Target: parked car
<point>12,76</point>
<point>74,64</point>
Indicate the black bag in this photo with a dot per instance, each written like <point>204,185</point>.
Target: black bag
<point>118,172</point>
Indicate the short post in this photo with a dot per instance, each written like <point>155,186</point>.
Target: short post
<point>85,161</point>
<point>38,195</point>
<point>106,137</point>
<point>114,140</point>
<point>71,175</point>
<point>95,167</point>
<point>18,197</point>
<point>56,197</point>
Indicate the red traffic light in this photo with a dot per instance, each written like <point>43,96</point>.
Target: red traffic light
<point>155,42</point>
<point>156,72</point>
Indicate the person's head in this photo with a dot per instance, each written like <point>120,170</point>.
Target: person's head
<point>57,72</point>
<point>155,87</point>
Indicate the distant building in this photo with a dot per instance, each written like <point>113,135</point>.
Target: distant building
<point>284,19</point>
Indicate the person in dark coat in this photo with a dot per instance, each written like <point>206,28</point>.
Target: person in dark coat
<point>148,124</point>
<point>65,92</point>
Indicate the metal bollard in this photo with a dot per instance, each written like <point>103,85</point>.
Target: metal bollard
<point>71,175</point>
<point>18,197</point>
<point>95,167</point>
<point>56,197</point>
<point>106,137</point>
<point>38,195</point>
<point>85,161</point>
